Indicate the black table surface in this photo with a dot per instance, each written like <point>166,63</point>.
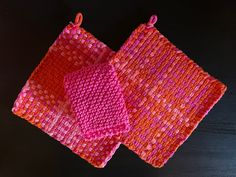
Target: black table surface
<point>204,30</point>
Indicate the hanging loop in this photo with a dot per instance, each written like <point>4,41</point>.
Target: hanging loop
<point>78,19</point>
<point>153,19</point>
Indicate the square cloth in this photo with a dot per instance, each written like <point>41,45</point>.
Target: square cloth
<point>97,101</point>
<point>43,101</point>
<point>166,94</point>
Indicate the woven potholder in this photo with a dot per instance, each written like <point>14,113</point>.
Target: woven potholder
<point>43,101</point>
<point>97,101</point>
<point>166,93</point>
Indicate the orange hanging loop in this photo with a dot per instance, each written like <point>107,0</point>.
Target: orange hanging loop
<point>78,19</point>
<point>152,21</point>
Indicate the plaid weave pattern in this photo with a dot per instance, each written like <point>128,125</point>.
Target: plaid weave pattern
<point>43,101</point>
<point>166,94</point>
<point>97,101</point>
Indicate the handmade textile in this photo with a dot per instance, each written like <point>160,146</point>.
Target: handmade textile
<point>43,101</point>
<point>166,93</point>
<point>97,101</point>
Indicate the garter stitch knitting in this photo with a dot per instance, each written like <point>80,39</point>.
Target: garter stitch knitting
<point>43,101</point>
<point>166,93</point>
<point>97,101</point>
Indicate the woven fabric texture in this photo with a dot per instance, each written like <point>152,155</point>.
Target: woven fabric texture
<point>166,94</point>
<point>97,101</point>
<point>43,101</point>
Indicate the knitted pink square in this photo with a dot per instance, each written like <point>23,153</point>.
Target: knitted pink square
<point>97,101</point>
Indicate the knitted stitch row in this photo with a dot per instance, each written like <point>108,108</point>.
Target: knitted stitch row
<point>97,101</point>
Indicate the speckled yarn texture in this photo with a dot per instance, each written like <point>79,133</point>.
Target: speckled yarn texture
<point>43,101</point>
<point>97,101</point>
<point>166,94</point>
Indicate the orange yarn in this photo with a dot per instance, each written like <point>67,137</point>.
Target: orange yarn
<point>43,101</point>
<point>166,94</point>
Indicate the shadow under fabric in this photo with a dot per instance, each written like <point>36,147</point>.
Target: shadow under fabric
<point>166,94</point>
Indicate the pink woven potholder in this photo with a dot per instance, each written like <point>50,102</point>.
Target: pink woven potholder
<point>43,101</point>
<point>97,101</point>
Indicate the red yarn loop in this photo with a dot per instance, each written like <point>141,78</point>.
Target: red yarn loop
<point>152,21</point>
<point>78,19</point>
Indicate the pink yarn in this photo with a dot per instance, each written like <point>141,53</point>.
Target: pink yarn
<point>97,101</point>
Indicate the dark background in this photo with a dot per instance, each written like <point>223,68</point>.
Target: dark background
<point>204,30</point>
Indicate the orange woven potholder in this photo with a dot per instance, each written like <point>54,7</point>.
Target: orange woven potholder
<point>166,93</point>
<point>43,101</point>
